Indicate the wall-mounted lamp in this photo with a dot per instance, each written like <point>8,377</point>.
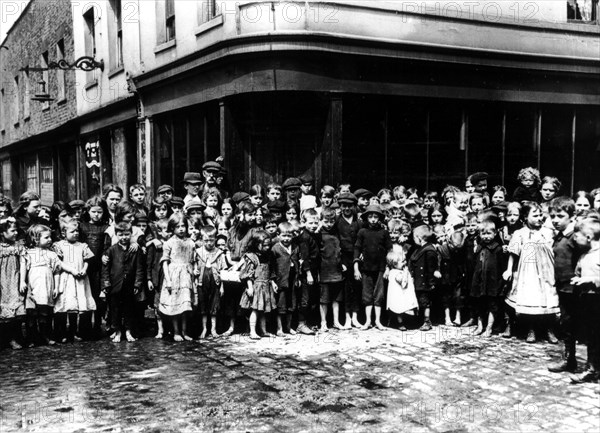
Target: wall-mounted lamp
<point>84,63</point>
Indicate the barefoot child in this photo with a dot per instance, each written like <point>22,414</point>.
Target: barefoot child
<point>285,268</point>
<point>13,283</point>
<point>122,278</point>
<point>423,264</point>
<point>211,261</point>
<point>372,244</point>
<point>259,296</point>
<point>331,270</point>
<point>154,270</point>
<point>401,298</point>
<point>176,295</point>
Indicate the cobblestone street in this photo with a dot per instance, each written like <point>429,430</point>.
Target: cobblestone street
<point>443,380</point>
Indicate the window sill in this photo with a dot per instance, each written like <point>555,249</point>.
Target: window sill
<point>205,27</point>
<point>61,101</point>
<point>16,124</point>
<point>163,47</point>
<point>115,71</point>
<point>91,84</point>
<point>46,108</point>
<point>26,118</point>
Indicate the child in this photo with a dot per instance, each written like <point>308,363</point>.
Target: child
<point>177,293</point>
<point>227,208</point>
<point>310,257</point>
<point>587,280</point>
<point>499,194</point>
<point>259,296</point>
<point>436,214</point>
<point>430,198</point>
<point>362,196</point>
<point>257,195</point>
<point>211,261</point>
<point>292,212</point>
<point>307,199</point>
<point>95,221</point>
<point>486,287</point>
<point>192,182</point>
<point>422,265</point>
<point>42,277</point>
<point>285,268</point>
<point>160,209</point>
<point>457,268</point>
<point>223,225</point>
<point>271,223</point>
<point>444,287</point>
<point>75,293</point>
<point>122,279</point>
<point>458,208</point>
<point>401,298</point>
<point>154,270</point>
<point>533,292</point>
<point>529,190</point>
<point>347,227</point>
<point>326,197</point>
<point>331,270</point>
<point>476,202</point>
<point>372,244</point>
<point>273,192</point>
<point>137,195</point>
<point>165,192</point>
<point>13,283</point>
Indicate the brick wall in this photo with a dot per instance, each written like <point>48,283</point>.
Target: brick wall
<point>39,29</point>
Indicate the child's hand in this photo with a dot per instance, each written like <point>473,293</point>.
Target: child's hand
<point>309,278</point>
<point>55,293</point>
<point>136,290</point>
<point>275,288</point>
<point>507,275</point>
<point>577,281</point>
<point>133,247</point>
<point>23,288</point>
<point>250,292</point>
<point>150,286</point>
<point>437,274</point>
<point>504,248</point>
<point>344,268</point>
<point>222,290</point>
<point>386,274</point>
<point>105,260</point>
<point>357,275</point>
<point>196,272</point>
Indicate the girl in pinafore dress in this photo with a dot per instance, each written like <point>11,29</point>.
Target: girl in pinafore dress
<point>401,296</point>
<point>75,292</point>
<point>533,292</point>
<point>177,297</point>
<point>43,266</point>
<point>259,295</point>
<point>13,285</point>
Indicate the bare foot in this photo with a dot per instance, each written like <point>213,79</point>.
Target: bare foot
<point>203,334</point>
<point>347,325</point>
<point>129,337</point>
<point>356,323</point>
<point>380,326</point>
<point>14,345</point>
<point>228,333</point>
<point>214,334</point>
<point>455,323</point>
<point>478,331</point>
<point>488,332</point>
<point>116,337</point>
<point>177,337</point>
<point>366,326</point>
<point>449,322</point>
<point>187,337</point>
<point>468,323</point>
<point>323,328</point>
<point>158,336</point>
<point>280,333</point>
<point>338,325</point>
<point>254,336</point>
<point>293,331</point>
<point>269,335</point>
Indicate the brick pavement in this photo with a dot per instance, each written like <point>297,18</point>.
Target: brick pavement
<point>443,380</point>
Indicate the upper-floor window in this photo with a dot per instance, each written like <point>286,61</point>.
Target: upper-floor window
<point>115,35</point>
<point>170,19</point>
<point>207,10</point>
<point>583,10</point>
<point>1,109</point>
<point>90,40</point>
<point>45,77</point>
<point>16,101</point>
<point>26,95</point>
<point>165,22</point>
<point>60,74</point>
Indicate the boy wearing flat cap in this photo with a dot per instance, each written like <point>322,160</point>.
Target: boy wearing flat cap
<point>362,196</point>
<point>192,183</point>
<point>165,192</point>
<point>213,172</point>
<point>291,189</point>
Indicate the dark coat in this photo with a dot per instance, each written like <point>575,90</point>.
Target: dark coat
<point>331,258</point>
<point>566,256</point>
<point>309,251</point>
<point>348,234</point>
<point>154,269</point>
<point>489,266</point>
<point>124,270</point>
<point>527,194</point>
<point>422,264</point>
<point>373,245</point>
<point>285,266</point>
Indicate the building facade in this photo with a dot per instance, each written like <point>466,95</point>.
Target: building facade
<point>371,93</point>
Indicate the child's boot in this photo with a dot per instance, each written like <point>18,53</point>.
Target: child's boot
<point>426,325</point>
<point>531,336</point>
<point>569,362</point>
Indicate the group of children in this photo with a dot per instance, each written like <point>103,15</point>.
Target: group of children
<point>281,253</point>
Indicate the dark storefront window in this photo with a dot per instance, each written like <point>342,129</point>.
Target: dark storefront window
<point>557,144</point>
<point>485,141</point>
<point>446,153</point>
<point>521,147</point>
<point>587,149</point>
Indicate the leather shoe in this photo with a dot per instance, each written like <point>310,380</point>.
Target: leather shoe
<point>586,377</point>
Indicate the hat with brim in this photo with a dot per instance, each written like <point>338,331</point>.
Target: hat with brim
<point>176,201</point>
<point>194,205</point>
<point>372,209</point>
<point>76,204</point>
<point>240,196</point>
<point>192,177</point>
<point>478,177</point>
<point>359,193</point>
<point>500,207</point>
<point>212,166</point>
<point>306,179</point>
<point>276,206</point>
<point>164,188</point>
<point>347,198</point>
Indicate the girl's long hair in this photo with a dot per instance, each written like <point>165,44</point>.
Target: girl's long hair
<point>96,201</point>
<point>24,200</point>
<point>34,232</point>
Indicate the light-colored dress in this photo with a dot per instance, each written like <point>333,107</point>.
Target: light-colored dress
<point>533,290</point>
<point>75,294</point>
<point>12,303</point>
<point>257,270</point>
<point>401,297</point>
<point>42,266</point>
<point>181,254</point>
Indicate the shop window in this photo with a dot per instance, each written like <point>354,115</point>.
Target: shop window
<point>6,168</point>
<point>521,143</point>
<point>32,174</point>
<point>485,142</point>
<point>587,149</point>
<point>556,144</point>
<point>46,178</point>
<point>446,153</point>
